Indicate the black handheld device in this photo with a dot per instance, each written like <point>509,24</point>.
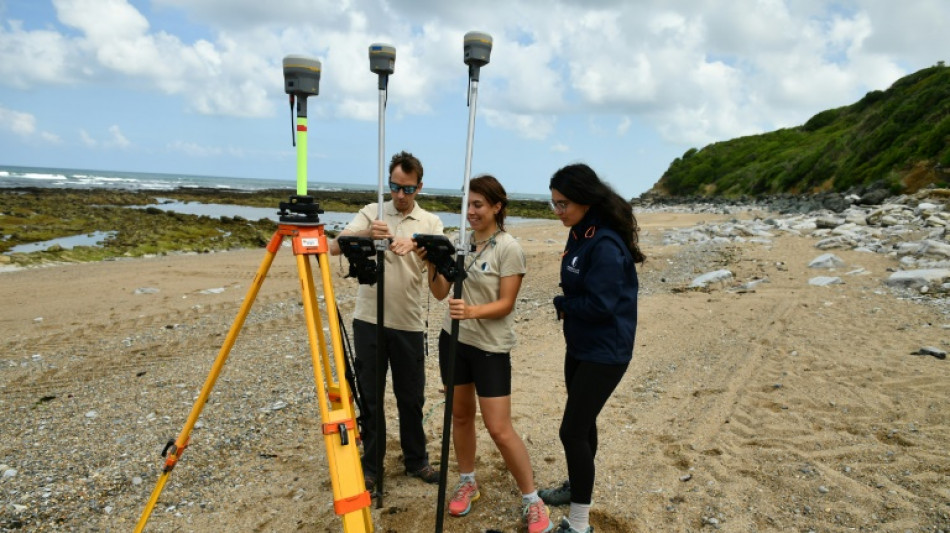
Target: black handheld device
<point>441,253</point>
<point>359,252</point>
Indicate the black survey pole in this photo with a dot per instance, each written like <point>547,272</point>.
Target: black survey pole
<point>382,61</point>
<point>477,50</point>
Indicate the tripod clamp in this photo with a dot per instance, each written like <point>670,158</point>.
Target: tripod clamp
<point>300,210</point>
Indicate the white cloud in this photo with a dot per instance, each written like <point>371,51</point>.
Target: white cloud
<point>117,139</point>
<point>37,57</point>
<point>696,71</point>
<point>624,126</point>
<point>527,126</point>
<point>194,149</point>
<point>87,139</point>
<point>50,138</point>
<point>22,124</point>
<point>206,151</point>
<point>103,21</point>
<point>115,45</point>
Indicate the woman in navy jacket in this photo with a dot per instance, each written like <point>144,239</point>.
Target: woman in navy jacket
<point>599,310</point>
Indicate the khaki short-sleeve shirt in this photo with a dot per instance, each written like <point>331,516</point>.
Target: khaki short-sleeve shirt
<point>482,285</point>
<point>406,285</point>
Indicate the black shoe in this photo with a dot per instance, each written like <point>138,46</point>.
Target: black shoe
<point>370,481</point>
<point>427,473</point>
<point>558,496</point>
<point>565,527</point>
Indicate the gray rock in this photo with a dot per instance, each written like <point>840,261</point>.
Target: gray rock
<point>826,261</point>
<point>146,290</point>
<point>930,350</point>
<point>915,279</point>
<point>711,277</point>
<point>824,281</point>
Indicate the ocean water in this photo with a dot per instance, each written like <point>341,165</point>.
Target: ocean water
<point>63,178</point>
<point>73,178</point>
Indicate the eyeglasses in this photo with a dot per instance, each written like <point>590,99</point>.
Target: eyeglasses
<point>560,206</point>
<point>408,189</point>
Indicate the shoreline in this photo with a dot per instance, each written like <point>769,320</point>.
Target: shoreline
<point>31,215</point>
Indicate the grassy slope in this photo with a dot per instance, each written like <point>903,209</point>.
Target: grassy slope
<point>893,138</point>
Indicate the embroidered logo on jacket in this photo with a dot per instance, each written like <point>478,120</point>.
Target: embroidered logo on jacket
<point>572,268</point>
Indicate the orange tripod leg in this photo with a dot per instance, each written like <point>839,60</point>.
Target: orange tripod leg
<point>351,499</point>
<point>176,449</point>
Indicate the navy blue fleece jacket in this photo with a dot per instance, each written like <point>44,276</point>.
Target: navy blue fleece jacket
<point>599,304</point>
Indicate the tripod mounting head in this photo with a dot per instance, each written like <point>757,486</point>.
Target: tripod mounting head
<point>477,48</point>
<point>301,210</point>
<point>301,76</point>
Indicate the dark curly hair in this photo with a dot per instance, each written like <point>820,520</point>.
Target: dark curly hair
<point>581,185</point>
<point>408,163</point>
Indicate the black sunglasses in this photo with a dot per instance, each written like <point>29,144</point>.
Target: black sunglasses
<point>408,189</point>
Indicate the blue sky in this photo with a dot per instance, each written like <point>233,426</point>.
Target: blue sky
<point>196,86</point>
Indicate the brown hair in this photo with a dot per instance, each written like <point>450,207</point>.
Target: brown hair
<point>408,163</point>
<point>489,187</point>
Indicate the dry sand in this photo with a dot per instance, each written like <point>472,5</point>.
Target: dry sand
<point>785,408</point>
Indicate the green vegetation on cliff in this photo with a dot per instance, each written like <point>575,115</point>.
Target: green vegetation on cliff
<point>898,138</point>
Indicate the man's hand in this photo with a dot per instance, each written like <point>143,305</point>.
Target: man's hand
<point>380,230</point>
<point>402,246</point>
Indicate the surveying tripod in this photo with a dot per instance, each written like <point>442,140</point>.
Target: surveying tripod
<point>301,224</point>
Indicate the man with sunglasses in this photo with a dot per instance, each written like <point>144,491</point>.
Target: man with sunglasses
<point>405,325</point>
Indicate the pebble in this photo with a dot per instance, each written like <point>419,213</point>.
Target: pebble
<point>146,290</point>
<point>930,350</point>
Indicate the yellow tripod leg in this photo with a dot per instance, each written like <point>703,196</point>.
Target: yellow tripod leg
<point>177,448</point>
<point>330,377</point>
<point>351,499</point>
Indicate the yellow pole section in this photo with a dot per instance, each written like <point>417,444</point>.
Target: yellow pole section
<point>310,313</point>
<point>153,499</point>
<point>301,156</point>
<point>334,321</point>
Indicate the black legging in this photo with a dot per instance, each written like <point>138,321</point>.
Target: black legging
<point>588,387</point>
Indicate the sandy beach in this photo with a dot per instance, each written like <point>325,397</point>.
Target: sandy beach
<point>786,407</point>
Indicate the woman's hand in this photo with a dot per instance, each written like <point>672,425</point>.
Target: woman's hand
<point>458,310</point>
